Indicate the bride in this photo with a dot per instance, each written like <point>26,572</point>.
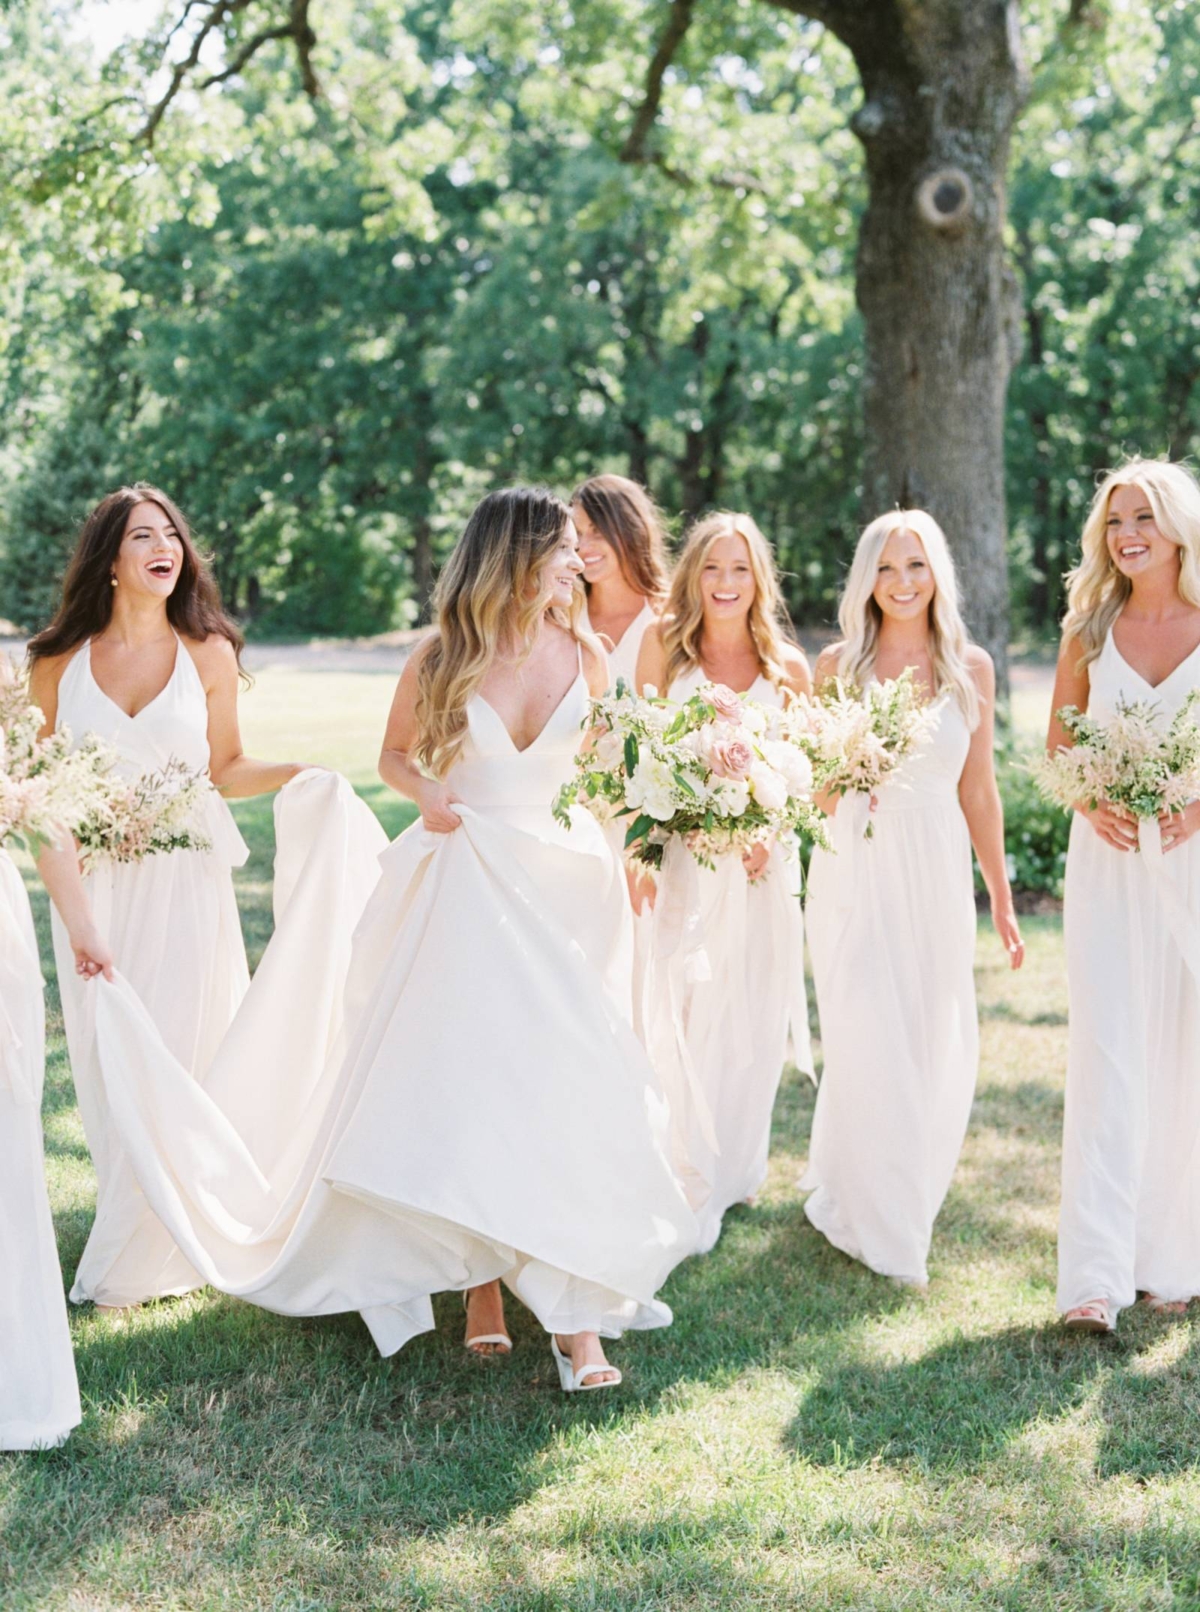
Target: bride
<point>491,1115</point>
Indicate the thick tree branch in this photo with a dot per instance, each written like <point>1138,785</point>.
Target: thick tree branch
<point>678,23</point>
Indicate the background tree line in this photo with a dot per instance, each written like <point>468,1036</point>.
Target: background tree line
<point>327,324</point>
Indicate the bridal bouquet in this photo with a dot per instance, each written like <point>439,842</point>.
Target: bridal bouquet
<point>857,738</point>
<point>1134,761</point>
<point>47,788</point>
<point>718,771</point>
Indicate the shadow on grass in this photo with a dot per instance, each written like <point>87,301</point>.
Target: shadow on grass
<point>960,1405</point>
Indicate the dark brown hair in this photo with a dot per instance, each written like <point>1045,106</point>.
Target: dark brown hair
<point>193,609</point>
<point>627,517</point>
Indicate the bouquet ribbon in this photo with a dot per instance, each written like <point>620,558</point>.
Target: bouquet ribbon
<point>1180,922</point>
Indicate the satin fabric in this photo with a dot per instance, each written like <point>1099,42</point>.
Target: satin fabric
<point>891,930</point>
<point>1130,1216</point>
<point>39,1399</point>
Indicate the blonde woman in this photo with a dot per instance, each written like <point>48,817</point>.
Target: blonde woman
<point>623,549</point>
<point>1130,1216</point>
<point>723,624</point>
<point>891,919</point>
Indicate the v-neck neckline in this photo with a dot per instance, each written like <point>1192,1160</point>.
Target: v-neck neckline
<point>1129,667</point>
<point>522,750</point>
<point>133,716</point>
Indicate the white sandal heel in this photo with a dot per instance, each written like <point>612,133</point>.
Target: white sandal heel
<point>501,1339</point>
<point>575,1382</point>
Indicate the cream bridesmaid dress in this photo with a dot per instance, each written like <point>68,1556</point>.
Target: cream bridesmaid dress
<point>891,929</point>
<point>172,923</point>
<point>39,1399</point>
<point>623,657</point>
<point>722,1000</point>
<point>1130,1214</point>
<point>488,1112</point>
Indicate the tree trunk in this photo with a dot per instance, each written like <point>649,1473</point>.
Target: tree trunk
<point>943,84</point>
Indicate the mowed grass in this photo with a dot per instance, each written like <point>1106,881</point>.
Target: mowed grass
<point>805,1436</point>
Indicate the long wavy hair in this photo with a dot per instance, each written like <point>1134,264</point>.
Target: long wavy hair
<point>683,618</point>
<point>1096,590</point>
<point>491,594</point>
<point>860,617</point>
<point>627,517</point>
<point>193,608</point>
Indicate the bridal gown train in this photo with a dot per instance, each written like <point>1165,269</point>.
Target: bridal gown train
<point>172,924</point>
<point>722,1004</point>
<point>489,1112</point>
<point>39,1399</point>
<point>891,929</point>
<point>1130,1215</point>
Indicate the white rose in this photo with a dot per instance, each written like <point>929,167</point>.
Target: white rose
<point>732,798</point>
<point>769,787</point>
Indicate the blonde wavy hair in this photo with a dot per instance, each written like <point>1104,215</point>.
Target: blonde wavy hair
<point>491,595</point>
<point>1096,590</point>
<point>860,617</point>
<point>683,618</point>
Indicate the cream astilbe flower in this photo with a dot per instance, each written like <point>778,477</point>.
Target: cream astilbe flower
<point>1137,760</point>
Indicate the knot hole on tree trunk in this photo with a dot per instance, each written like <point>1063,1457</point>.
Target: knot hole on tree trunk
<point>945,199</point>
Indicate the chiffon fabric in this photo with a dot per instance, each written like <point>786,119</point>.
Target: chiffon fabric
<point>623,657</point>
<point>724,991</point>
<point>486,1110</point>
<point>172,924</point>
<point>891,931</point>
<point>39,1399</point>
<point>1130,1216</point>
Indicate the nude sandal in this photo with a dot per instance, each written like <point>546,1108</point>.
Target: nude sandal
<point>1094,1316</point>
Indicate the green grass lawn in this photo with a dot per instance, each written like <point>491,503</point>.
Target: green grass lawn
<point>805,1436</point>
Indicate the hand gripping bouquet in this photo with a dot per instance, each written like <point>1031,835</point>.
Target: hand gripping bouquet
<point>856,738</point>
<point>47,788</point>
<point>1136,761</point>
<point>718,771</point>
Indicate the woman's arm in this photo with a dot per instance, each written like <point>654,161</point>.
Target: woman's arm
<point>979,796</point>
<point>823,672</point>
<point>397,770</point>
<point>237,775</point>
<point>652,661</point>
<point>1072,687</point>
<point>44,677</point>
<point>797,676</point>
<point>59,868</point>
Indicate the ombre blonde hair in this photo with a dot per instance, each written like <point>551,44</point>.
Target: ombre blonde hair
<point>1096,590</point>
<point>683,618</point>
<point>859,616</point>
<point>491,595</point>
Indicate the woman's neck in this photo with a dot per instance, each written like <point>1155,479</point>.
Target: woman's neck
<point>1156,596</point>
<point>134,623</point>
<point>723,641</point>
<point>910,639</point>
<point>613,597</point>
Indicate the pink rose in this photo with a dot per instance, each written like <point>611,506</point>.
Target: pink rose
<point>731,758</point>
<point>726,703</point>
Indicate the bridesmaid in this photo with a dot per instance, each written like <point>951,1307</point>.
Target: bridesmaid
<point>722,624</point>
<point>891,919</point>
<point>141,654</point>
<point>623,549</point>
<point>1130,1218</point>
<point>39,1398</point>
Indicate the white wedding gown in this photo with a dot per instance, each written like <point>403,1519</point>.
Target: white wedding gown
<point>489,1112</point>
<point>39,1399</point>
<point>724,990</point>
<point>891,930</point>
<point>1130,1215</point>
<point>172,924</point>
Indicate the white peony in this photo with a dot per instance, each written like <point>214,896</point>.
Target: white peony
<point>651,789</point>
<point>731,799</point>
<point>770,787</point>
<point>791,761</point>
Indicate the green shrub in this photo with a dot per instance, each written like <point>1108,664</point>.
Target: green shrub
<point>1035,833</point>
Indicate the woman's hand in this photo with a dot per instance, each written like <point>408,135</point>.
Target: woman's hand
<point>755,860</point>
<point>1176,827</point>
<point>92,955</point>
<point>643,887</point>
<point>1115,826</point>
<point>1004,919</point>
<point>435,802</point>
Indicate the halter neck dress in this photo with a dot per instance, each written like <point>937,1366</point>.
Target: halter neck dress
<point>731,1011</point>
<point>172,923</point>
<point>891,930</point>
<point>1130,1217</point>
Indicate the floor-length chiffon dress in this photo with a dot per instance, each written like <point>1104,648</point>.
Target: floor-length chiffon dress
<point>489,1112</point>
<point>1130,1217</point>
<point>726,1005</point>
<point>172,924</point>
<point>891,930</point>
<point>623,656</point>
<point>39,1398</point>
